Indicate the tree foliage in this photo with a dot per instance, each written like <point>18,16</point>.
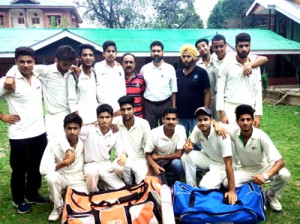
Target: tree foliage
<point>230,14</point>
<point>141,13</point>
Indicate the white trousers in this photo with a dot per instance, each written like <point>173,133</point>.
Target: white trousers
<point>103,171</point>
<point>137,168</point>
<point>245,175</point>
<point>57,182</point>
<point>55,124</point>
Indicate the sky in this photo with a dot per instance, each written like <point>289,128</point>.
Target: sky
<point>203,8</point>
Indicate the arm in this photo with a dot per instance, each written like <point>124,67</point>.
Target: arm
<point>9,118</point>
<point>174,100</point>
<point>220,94</point>
<point>207,98</point>
<point>156,168</point>
<point>72,94</point>
<point>68,160</point>
<point>175,155</point>
<point>258,101</point>
<point>278,165</point>
<point>258,61</point>
<point>231,195</point>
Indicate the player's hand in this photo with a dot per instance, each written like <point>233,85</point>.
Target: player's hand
<point>220,130</point>
<point>158,169</point>
<point>69,157</point>
<point>10,118</point>
<point>155,156</point>
<point>256,122</point>
<point>232,197</point>
<point>10,84</point>
<point>247,71</point>
<point>259,179</point>
<point>122,160</point>
<point>188,146</point>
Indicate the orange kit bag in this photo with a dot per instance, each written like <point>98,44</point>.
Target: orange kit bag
<point>136,204</point>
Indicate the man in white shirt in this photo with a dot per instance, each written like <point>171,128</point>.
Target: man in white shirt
<point>161,85</point>
<point>164,147</point>
<point>205,61</point>
<point>215,156</point>
<point>134,132</point>
<point>234,88</point>
<point>82,94</point>
<point>62,163</point>
<point>110,77</point>
<point>260,160</point>
<point>54,82</point>
<point>98,143</point>
<point>26,131</point>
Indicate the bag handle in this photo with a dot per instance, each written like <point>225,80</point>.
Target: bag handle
<point>135,196</point>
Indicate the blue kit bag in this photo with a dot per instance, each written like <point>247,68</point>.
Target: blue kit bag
<point>199,205</point>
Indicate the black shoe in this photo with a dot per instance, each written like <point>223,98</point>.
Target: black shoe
<point>22,207</point>
<point>38,200</point>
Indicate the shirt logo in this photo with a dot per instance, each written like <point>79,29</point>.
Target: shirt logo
<point>137,85</point>
<point>196,76</point>
<point>254,148</point>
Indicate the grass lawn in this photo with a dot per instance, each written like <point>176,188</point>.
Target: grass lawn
<point>282,123</point>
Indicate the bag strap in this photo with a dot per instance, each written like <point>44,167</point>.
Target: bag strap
<point>130,197</point>
<point>193,195</point>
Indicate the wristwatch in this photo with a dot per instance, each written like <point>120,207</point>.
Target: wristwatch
<point>266,176</point>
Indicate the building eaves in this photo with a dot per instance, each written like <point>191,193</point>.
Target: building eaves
<point>286,7</point>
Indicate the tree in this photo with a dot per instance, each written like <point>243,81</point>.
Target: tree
<point>230,14</point>
<point>176,14</point>
<point>141,13</point>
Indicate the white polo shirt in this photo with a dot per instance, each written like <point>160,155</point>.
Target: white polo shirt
<point>135,138</point>
<point>26,102</point>
<point>54,87</point>
<point>55,153</point>
<point>97,146</point>
<point>214,145</point>
<point>259,150</point>
<point>234,87</point>
<point>159,143</point>
<point>111,83</point>
<point>82,98</point>
<point>160,81</point>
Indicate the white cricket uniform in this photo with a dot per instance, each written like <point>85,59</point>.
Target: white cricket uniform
<point>256,157</point>
<point>134,140</point>
<point>82,97</point>
<point>26,102</point>
<point>111,83</point>
<point>97,155</point>
<point>211,157</point>
<point>235,89</point>
<point>160,81</point>
<point>159,143</point>
<point>213,77</point>
<point>68,176</point>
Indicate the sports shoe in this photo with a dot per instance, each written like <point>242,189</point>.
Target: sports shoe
<point>273,201</point>
<point>55,214</point>
<point>22,207</point>
<point>38,200</point>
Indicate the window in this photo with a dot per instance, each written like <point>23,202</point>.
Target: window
<point>1,21</point>
<point>54,20</point>
<point>21,14</point>
<point>21,20</point>
<point>35,14</point>
<point>35,20</point>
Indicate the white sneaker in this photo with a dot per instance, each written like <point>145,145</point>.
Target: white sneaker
<point>55,214</point>
<point>273,201</point>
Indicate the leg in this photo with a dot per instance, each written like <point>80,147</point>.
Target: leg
<point>139,169</point>
<point>37,147</point>
<point>279,182</point>
<point>184,122</point>
<point>56,183</point>
<point>214,177</point>
<point>175,166</point>
<point>18,163</point>
<point>91,174</point>
<point>149,113</point>
<point>160,110</point>
<point>193,160</point>
<point>108,176</point>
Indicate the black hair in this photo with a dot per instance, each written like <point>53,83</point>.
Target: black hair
<point>242,37</point>
<point>201,40</point>
<point>105,108</point>
<point>244,109</point>
<point>170,110</point>
<point>66,53</point>
<point>24,51</point>
<point>126,100</point>
<point>81,47</point>
<point>124,55</point>
<point>157,43</point>
<point>218,37</point>
<point>107,44</point>
<point>72,118</point>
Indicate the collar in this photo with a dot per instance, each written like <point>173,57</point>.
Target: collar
<point>20,76</point>
<point>161,65</point>
<point>163,135</point>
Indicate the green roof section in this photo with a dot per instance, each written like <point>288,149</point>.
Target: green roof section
<point>35,3</point>
<point>138,40</point>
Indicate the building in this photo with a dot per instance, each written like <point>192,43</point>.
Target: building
<point>37,14</point>
<point>283,17</point>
